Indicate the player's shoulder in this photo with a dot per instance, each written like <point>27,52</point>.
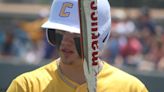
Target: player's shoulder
<point>121,77</point>
<point>114,71</point>
<point>119,80</point>
<point>41,72</point>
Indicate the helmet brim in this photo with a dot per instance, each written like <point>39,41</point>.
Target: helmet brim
<point>58,26</point>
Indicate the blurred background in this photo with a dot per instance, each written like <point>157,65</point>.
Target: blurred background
<point>136,42</point>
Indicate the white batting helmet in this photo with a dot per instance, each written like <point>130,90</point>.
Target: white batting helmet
<point>64,16</point>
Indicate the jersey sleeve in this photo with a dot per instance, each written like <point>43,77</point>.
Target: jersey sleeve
<point>15,87</point>
<point>144,89</point>
<point>138,86</point>
<point>19,84</point>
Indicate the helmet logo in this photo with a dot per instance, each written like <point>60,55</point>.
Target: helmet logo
<point>63,12</point>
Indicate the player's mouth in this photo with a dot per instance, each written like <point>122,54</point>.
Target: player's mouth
<point>66,51</point>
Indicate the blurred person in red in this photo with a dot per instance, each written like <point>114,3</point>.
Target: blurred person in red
<point>131,51</point>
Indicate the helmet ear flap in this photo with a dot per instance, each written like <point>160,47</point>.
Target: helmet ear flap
<point>53,37</point>
<point>50,34</point>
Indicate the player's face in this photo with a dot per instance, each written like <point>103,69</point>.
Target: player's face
<point>67,49</point>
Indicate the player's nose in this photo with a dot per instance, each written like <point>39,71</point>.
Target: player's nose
<point>67,39</point>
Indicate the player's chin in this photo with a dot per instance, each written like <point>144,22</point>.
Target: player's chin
<point>67,62</point>
<point>70,60</point>
<point>65,56</point>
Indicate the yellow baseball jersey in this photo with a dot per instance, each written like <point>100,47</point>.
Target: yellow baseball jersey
<point>48,79</point>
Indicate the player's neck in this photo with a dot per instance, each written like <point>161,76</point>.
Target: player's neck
<point>74,72</point>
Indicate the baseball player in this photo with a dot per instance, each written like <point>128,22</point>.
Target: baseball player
<point>66,74</point>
